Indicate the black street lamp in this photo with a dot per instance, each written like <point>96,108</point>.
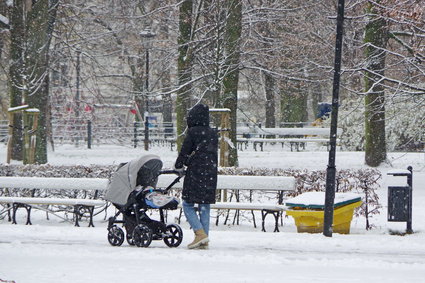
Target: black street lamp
<point>147,34</point>
<point>331,170</point>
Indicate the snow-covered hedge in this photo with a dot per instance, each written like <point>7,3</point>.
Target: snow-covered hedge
<point>78,171</point>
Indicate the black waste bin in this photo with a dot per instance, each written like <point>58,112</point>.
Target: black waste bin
<point>398,203</point>
<point>400,200</point>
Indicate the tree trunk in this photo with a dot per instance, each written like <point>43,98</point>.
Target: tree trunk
<point>40,24</point>
<point>269,85</point>
<point>16,72</point>
<point>214,18</point>
<point>167,108</point>
<point>293,105</point>
<point>184,68</point>
<point>231,79</point>
<point>376,38</point>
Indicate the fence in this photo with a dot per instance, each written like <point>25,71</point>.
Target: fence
<point>3,130</point>
<point>80,132</point>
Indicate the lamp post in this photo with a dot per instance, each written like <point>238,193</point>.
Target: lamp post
<point>331,170</point>
<point>147,34</point>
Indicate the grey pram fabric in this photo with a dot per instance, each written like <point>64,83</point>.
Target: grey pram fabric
<point>124,180</point>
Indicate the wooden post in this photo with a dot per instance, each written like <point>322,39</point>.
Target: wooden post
<point>11,111</point>
<point>26,122</point>
<point>224,135</point>
<point>29,135</point>
<point>32,134</point>
<point>224,140</point>
<point>9,138</point>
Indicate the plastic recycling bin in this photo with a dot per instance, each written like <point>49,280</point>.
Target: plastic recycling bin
<point>307,210</point>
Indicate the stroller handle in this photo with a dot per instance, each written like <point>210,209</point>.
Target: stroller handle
<point>179,174</point>
<point>169,172</point>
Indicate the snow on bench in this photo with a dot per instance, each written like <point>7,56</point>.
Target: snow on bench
<point>52,201</point>
<point>279,184</point>
<point>302,136</point>
<point>48,183</point>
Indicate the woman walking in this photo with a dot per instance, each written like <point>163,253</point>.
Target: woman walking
<point>199,155</point>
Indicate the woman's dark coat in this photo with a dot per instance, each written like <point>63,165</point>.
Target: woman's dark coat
<point>199,154</point>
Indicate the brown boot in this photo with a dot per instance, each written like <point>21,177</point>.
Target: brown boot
<point>200,239</point>
<point>204,246</point>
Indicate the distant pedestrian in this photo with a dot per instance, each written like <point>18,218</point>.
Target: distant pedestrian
<point>199,155</point>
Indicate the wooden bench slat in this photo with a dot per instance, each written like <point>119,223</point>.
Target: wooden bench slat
<point>248,206</point>
<point>50,183</point>
<point>237,182</point>
<point>52,201</point>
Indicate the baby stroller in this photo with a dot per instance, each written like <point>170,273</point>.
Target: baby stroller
<point>132,191</point>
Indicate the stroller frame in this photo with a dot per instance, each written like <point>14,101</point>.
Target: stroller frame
<point>140,228</point>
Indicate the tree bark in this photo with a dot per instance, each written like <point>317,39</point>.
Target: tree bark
<point>167,109</point>
<point>376,38</point>
<point>16,71</point>
<point>293,104</point>
<point>269,85</point>
<point>231,79</point>
<point>184,68</point>
<point>214,18</point>
<point>40,24</point>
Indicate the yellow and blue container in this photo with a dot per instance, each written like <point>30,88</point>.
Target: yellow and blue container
<point>308,211</point>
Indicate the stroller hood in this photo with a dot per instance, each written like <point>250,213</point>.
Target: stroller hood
<point>142,171</point>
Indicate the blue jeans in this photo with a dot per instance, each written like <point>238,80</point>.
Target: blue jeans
<point>201,222</point>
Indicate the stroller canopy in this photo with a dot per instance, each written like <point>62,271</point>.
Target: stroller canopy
<point>143,171</point>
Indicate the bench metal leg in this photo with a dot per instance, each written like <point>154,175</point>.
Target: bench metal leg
<point>180,215</point>
<point>236,217</point>
<point>15,208</point>
<point>9,217</point>
<point>79,212</point>
<point>276,215</point>
<point>253,218</point>
<point>91,211</point>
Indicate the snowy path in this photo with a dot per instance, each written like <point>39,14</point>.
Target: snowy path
<point>64,253</point>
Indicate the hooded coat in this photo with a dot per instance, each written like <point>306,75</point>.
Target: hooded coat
<point>199,154</point>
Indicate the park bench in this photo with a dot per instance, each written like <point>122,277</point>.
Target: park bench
<point>36,186</point>
<point>230,186</point>
<point>296,137</point>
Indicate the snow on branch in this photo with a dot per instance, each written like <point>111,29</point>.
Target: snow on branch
<point>4,21</point>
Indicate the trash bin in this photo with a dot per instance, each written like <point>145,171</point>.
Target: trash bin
<point>400,200</point>
<point>307,210</point>
<point>398,203</point>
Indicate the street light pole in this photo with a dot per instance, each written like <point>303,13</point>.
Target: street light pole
<point>147,34</point>
<point>331,170</point>
<point>147,102</point>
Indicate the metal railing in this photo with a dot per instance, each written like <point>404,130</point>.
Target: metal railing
<point>4,128</point>
<point>81,132</point>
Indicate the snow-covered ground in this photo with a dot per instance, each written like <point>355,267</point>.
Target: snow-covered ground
<point>56,251</point>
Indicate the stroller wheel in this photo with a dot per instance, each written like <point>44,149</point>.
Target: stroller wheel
<point>115,236</point>
<point>174,236</point>
<point>142,236</point>
<point>129,238</point>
